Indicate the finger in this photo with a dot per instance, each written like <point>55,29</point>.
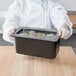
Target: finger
<point>63,33</point>
<point>11,32</point>
<point>67,35</point>
<point>59,33</point>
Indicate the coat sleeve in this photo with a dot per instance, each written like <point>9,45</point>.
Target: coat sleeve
<point>12,19</point>
<point>59,16</point>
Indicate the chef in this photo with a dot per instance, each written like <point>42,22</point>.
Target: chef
<point>46,14</point>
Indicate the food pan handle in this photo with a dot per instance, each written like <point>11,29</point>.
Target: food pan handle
<point>16,32</point>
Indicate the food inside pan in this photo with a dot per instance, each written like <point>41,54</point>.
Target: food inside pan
<point>38,33</point>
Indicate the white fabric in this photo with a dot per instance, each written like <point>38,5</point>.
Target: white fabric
<point>35,13</point>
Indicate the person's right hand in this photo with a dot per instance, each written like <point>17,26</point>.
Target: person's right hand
<point>10,32</point>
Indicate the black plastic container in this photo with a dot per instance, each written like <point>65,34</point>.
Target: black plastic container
<point>36,46</point>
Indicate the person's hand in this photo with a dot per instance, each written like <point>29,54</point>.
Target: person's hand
<point>64,32</point>
<point>10,32</point>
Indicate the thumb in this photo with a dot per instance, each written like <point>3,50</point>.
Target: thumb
<point>59,33</point>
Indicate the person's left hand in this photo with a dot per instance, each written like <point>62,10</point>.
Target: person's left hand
<point>64,32</point>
